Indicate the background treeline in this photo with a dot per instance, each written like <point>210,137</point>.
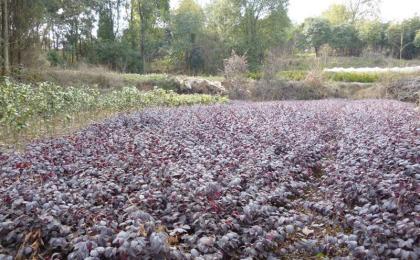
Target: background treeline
<point>140,36</point>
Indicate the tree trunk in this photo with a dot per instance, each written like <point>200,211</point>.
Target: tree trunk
<point>76,41</point>
<point>142,37</point>
<point>18,31</point>
<point>131,26</point>
<point>316,51</point>
<point>5,36</point>
<point>401,43</point>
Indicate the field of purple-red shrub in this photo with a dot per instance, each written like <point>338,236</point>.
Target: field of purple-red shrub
<point>274,180</point>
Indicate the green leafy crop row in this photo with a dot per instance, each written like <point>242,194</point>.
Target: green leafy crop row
<point>26,108</point>
<point>300,75</point>
<point>295,75</point>
<point>353,77</point>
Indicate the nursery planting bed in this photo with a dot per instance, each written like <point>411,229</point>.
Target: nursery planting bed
<point>260,180</point>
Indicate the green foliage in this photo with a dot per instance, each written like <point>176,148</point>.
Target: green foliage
<point>255,75</point>
<point>295,75</point>
<point>317,32</point>
<point>337,14</point>
<point>187,27</point>
<point>13,102</point>
<point>146,36</point>
<point>373,34</point>
<point>360,10</point>
<point>345,40</point>
<point>23,106</point>
<point>250,27</point>
<point>401,38</point>
<point>354,36</point>
<point>106,24</point>
<point>116,55</point>
<point>262,25</point>
<point>417,39</point>
<point>54,58</point>
<point>301,75</point>
<point>223,17</point>
<point>353,77</point>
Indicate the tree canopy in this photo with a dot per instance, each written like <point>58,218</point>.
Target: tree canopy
<point>147,36</point>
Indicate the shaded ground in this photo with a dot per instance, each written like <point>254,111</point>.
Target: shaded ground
<point>280,180</point>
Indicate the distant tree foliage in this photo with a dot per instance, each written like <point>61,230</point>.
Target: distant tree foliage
<point>187,28</point>
<point>362,9</point>
<point>337,14</point>
<point>106,23</point>
<point>374,35</point>
<point>317,32</point>
<point>141,36</point>
<point>401,38</point>
<point>417,39</point>
<point>345,40</point>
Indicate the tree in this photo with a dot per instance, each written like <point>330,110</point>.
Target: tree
<point>344,39</point>
<point>72,22</point>
<point>106,22</point>
<point>149,11</point>
<point>187,27</point>
<point>417,39</point>
<point>253,12</point>
<point>221,34</point>
<point>337,14</point>
<point>373,35</point>
<point>223,18</point>
<point>362,9</point>
<point>317,32</point>
<point>5,36</point>
<point>401,38</point>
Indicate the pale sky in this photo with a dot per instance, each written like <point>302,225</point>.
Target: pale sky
<point>301,9</point>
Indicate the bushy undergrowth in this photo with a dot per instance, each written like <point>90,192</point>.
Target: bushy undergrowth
<point>26,108</point>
